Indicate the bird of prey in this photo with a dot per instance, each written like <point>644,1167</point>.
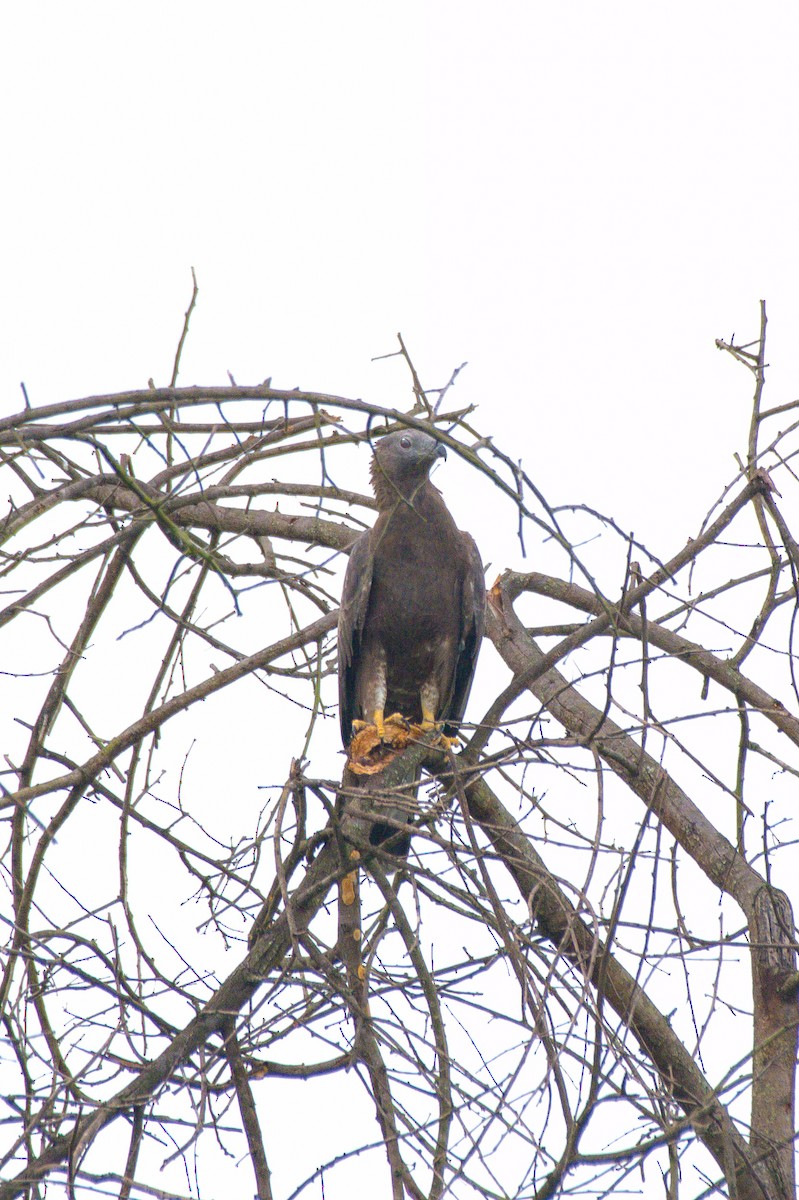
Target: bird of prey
<point>413,605</point>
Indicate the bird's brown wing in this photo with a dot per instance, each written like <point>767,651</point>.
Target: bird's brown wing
<point>473,603</point>
<point>351,619</point>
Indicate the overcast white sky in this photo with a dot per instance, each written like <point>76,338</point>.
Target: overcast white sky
<point>577,199</point>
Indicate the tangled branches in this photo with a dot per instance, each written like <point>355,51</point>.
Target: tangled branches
<point>586,967</point>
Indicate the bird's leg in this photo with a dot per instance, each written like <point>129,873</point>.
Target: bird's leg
<point>429,698</point>
<point>428,720</point>
<point>428,695</point>
<point>375,700</point>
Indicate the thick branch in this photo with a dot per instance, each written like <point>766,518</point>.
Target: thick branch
<point>566,929</point>
<point>239,988</point>
<point>643,774</point>
<point>775,1017</point>
<point>681,648</point>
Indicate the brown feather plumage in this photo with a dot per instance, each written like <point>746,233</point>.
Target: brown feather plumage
<point>413,604</point>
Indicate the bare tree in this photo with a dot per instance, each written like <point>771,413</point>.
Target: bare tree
<point>582,979</point>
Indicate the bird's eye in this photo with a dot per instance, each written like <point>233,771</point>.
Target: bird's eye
<point>405,442</point>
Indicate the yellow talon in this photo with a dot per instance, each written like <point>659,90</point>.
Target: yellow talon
<point>429,723</point>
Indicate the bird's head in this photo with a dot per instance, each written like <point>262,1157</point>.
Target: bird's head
<point>402,462</point>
